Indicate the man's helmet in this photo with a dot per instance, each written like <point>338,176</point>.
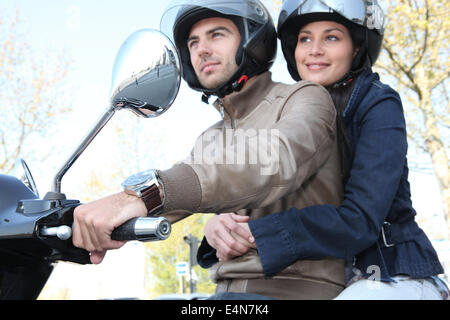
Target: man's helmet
<point>257,49</point>
<point>363,18</point>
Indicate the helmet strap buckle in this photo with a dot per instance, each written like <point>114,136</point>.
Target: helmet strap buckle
<point>344,81</point>
<point>224,91</point>
<point>238,85</point>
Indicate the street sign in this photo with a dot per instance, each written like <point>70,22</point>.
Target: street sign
<point>181,268</point>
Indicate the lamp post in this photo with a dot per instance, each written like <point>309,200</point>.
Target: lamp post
<point>193,248</point>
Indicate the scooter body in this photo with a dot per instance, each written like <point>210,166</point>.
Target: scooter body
<point>27,257</point>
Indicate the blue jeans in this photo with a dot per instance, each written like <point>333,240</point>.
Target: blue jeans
<point>404,288</point>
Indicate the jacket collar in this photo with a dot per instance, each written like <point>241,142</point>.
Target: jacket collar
<point>362,86</point>
<point>239,104</point>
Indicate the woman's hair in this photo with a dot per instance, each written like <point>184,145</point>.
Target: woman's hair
<point>341,96</point>
<point>341,92</point>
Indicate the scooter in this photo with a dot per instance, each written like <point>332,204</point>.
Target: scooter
<point>36,233</point>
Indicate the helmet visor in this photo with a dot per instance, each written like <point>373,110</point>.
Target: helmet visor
<point>355,11</point>
<point>365,13</point>
<point>252,10</point>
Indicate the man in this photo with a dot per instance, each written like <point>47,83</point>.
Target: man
<point>274,148</point>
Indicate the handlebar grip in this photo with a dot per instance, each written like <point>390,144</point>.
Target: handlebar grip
<point>125,231</point>
<point>143,229</point>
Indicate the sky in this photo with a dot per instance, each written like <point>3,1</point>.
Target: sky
<point>90,33</point>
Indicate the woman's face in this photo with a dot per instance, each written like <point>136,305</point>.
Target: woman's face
<point>324,52</point>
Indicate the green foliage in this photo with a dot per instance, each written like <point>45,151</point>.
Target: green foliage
<point>164,255</point>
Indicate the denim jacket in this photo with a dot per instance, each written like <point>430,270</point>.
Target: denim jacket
<point>374,226</point>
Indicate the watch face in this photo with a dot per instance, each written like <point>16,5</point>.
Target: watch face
<point>139,178</point>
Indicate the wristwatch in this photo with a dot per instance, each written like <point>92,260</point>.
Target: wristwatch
<point>145,185</point>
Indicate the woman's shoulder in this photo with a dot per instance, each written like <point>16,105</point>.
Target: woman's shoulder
<point>378,90</point>
<point>369,93</point>
<point>377,101</point>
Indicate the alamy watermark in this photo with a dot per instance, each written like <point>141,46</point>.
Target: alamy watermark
<point>374,277</point>
<point>252,147</point>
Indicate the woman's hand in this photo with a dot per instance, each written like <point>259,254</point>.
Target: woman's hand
<point>230,235</point>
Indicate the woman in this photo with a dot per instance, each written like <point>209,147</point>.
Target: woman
<point>335,44</point>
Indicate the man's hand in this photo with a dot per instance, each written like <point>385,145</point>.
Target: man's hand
<point>95,221</point>
<point>230,235</point>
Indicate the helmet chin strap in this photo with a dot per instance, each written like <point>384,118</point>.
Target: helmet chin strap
<point>238,85</point>
<point>346,80</point>
<point>226,90</point>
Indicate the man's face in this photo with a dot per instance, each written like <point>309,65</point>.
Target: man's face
<point>212,44</point>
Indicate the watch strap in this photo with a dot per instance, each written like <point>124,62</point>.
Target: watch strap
<point>152,199</point>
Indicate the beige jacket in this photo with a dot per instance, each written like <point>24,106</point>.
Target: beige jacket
<point>274,149</point>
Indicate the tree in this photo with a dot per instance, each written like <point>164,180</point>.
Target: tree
<point>415,58</point>
<point>32,91</point>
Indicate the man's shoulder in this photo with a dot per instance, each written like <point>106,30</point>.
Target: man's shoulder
<point>301,88</point>
<point>302,94</point>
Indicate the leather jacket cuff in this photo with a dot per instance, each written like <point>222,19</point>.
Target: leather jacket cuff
<point>182,190</point>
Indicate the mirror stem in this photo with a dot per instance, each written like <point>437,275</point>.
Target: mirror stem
<point>56,187</point>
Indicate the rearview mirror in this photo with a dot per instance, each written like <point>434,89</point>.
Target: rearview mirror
<point>146,79</point>
<point>146,75</point>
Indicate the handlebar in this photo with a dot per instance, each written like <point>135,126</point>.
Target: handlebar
<point>143,229</point>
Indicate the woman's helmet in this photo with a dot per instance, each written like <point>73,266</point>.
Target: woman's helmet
<point>363,18</point>
<point>257,49</point>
